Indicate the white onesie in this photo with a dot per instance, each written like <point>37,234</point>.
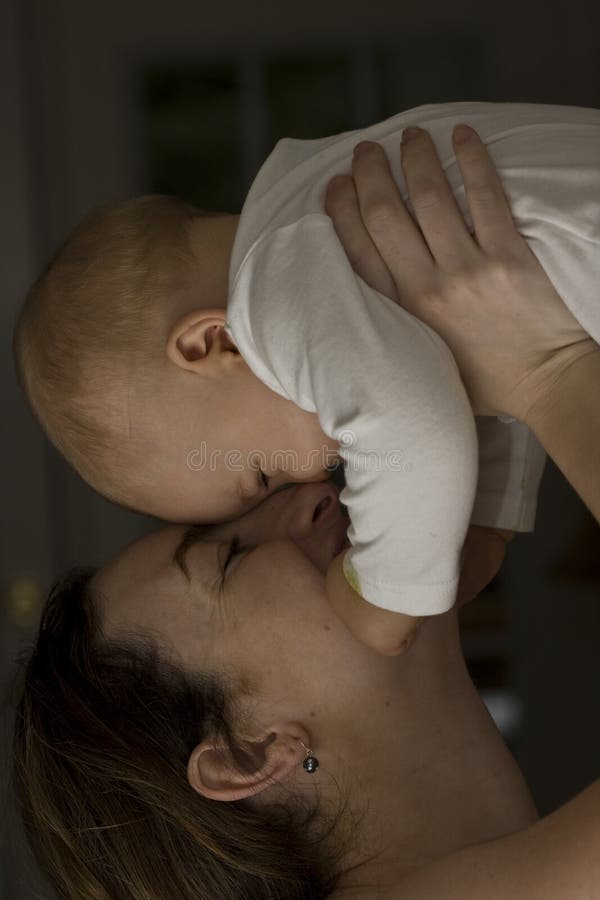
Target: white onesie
<point>382,383</point>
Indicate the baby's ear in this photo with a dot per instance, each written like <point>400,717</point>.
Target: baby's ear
<point>198,338</point>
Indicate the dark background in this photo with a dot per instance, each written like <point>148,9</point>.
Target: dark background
<point>102,100</point>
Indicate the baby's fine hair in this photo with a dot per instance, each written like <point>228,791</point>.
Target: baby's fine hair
<point>96,307</point>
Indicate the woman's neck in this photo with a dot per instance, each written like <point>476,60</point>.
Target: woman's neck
<point>429,772</point>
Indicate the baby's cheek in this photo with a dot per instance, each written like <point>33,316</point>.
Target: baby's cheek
<point>319,452</point>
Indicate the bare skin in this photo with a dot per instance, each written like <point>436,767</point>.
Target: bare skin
<point>225,441</point>
<point>444,807</point>
<point>408,737</point>
<point>213,439</point>
<point>457,283</point>
<point>519,349</point>
<point>520,352</point>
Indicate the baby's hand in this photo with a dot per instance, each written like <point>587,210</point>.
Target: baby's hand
<point>388,633</point>
<point>482,556</point>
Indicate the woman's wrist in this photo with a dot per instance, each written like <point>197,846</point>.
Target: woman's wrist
<point>566,420</point>
<point>555,385</point>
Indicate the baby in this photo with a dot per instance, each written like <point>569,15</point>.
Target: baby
<point>188,363</point>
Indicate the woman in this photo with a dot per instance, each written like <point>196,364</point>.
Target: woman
<point>171,710</point>
<point>129,762</point>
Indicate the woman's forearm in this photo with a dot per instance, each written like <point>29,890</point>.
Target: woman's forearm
<point>555,859</point>
<point>566,421</point>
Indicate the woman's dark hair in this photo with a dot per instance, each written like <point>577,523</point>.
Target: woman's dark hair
<point>103,734</point>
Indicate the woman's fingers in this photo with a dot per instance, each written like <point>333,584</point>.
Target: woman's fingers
<point>492,219</point>
<point>435,208</point>
<point>341,204</point>
<point>441,238</point>
<point>387,220</point>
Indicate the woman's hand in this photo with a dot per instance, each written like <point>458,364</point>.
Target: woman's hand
<point>486,295</point>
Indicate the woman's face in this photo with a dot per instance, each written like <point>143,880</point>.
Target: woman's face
<point>265,618</point>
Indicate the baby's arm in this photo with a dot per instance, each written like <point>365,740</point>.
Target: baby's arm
<point>511,460</point>
<point>386,632</point>
<point>386,388</point>
<point>392,633</point>
<point>482,556</point>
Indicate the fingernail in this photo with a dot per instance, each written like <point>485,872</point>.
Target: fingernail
<point>363,146</point>
<point>409,134</point>
<point>462,133</point>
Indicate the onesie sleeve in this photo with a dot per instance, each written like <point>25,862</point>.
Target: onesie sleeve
<point>386,388</point>
<point>511,464</point>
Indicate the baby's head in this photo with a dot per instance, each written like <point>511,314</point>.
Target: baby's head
<point>122,351</point>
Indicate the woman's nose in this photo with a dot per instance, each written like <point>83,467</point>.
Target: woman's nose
<point>314,507</point>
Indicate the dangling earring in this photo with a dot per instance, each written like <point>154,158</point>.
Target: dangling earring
<point>310,763</point>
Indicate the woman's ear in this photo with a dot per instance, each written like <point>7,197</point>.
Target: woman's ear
<point>199,337</point>
<point>213,772</point>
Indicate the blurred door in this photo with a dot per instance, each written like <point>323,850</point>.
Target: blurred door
<point>24,547</point>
